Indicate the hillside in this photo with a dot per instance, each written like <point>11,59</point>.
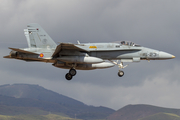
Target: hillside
<point>36,117</point>
<point>23,101</point>
<point>135,112</point>
<point>14,110</point>
<point>24,95</point>
<point>20,103</point>
<point>162,116</point>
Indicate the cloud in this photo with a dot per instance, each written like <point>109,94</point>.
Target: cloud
<point>158,90</point>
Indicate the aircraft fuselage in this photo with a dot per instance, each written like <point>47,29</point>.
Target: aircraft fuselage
<point>87,56</point>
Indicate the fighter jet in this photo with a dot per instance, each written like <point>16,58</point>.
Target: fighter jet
<point>81,56</point>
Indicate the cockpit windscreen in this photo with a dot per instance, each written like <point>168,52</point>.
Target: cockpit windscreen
<point>128,43</point>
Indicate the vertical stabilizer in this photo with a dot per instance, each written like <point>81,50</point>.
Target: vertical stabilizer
<point>37,37</point>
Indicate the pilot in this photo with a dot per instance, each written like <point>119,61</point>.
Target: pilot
<point>123,42</point>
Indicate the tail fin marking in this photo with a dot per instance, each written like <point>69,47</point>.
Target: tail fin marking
<point>37,37</point>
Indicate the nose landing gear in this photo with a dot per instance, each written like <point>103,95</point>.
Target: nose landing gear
<point>120,73</point>
<point>121,66</point>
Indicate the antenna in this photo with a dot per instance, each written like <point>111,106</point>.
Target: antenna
<point>78,42</point>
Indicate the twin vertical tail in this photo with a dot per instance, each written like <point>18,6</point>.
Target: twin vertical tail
<point>37,37</point>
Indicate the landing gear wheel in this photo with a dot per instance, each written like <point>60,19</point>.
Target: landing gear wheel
<point>72,72</point>
<point>68,76</point>
<point>120,73</point>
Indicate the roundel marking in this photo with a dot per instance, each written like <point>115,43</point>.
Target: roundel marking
<point>41,55</point>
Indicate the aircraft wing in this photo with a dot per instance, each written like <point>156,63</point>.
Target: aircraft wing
<point>22,51</point>
<point>67,46</point>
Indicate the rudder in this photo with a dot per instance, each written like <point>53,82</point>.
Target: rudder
<point>37,37</point>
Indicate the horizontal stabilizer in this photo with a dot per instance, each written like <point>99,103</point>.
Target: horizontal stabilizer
<point>22,51</point>
<point>7,56</point>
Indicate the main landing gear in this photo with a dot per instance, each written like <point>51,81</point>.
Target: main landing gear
<point>121,66</point>
<point>72,72</point>
<point>120,73</point>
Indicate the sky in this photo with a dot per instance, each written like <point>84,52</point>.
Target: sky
<point>154,24</point>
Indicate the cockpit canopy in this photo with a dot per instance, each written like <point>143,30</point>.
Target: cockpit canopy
<point>128,43</point>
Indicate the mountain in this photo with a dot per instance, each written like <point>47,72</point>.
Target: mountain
<point>136,112</point>
<point>25,95</point>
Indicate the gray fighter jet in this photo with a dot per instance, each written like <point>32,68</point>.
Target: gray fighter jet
<point>86,56</point>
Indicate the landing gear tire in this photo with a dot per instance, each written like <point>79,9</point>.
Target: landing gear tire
<point>72,72</point>
<point>68,76</point>
<point>120,73</point>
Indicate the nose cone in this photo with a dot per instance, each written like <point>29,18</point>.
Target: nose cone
<point>164,55</point>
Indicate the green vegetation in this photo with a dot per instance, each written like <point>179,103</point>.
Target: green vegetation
<point>36,117</point>
<point>162,116</point>
<point>171,114</point>
<point>13,110</point>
